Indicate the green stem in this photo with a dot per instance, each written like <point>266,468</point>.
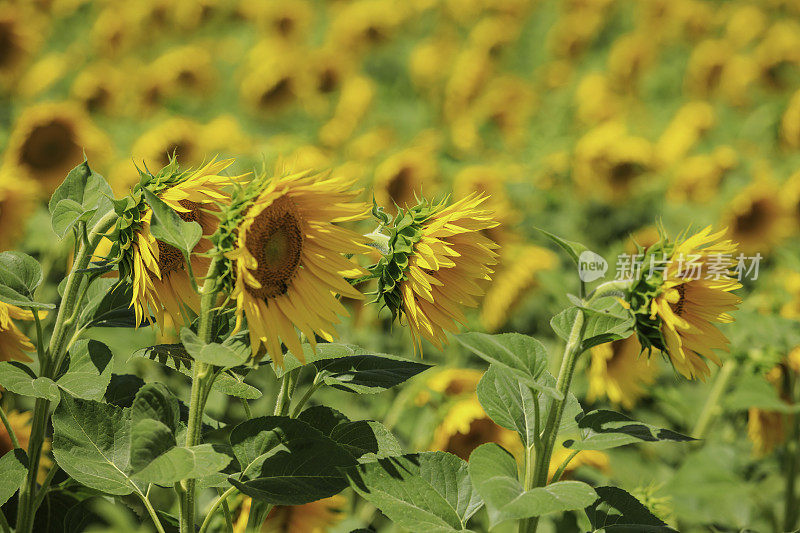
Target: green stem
<point>288,382</point>
<point>51,361</point>
<point>223,497</point>
<point>571,352</point>
<point>11,434</point>
<point>247,412</point>
<point>151,511</point>
<point>226,512</point>
<point>311,390</point>
<point>45,484</point>
<point>560,470</point>
<point>4,523</point>
<point>710,407</point>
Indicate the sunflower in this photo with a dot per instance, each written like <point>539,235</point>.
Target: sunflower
<point>688,125</point>
<point>766,429</point>
<point>676,308</point>
<point>757,217</point>
<point>178,137</point>
<point>595,100</point>
<point>619,372</point>
<point>707,65</point>
<point>518,273</point>
<point>186,68</point>
<point>790,123</point>
<point>400,179</point>
<point>20,423</point>
<point>44,74</point>
<point>437,259</point>
<point>590,458</point>
<point>49,139</point>
<point>697,178</point>
<point>289,20</point>
<point>630,56</point>
<point>18,41</point>
<point>314,517</point>
<point>157,271</point>
<point>364,24</point>
<point>790,193</point>
<point>466,426</point>
<point>17,203</point>
<point>14,343</point>
<point>271,81</point>
<point>449,383</point>
<point>289,258</point>
<point>355,98</point>
<point>779,53</point>
<point>99,88</point>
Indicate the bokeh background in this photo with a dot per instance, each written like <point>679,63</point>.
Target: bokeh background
<point>593,119</point>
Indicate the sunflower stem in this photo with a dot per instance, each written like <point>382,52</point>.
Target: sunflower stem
<point>222,498</point>
<point>318,382</point>
<point>51,360</point>
<point>710,407</point>
<point>571,352</point>
<point>9,428</point>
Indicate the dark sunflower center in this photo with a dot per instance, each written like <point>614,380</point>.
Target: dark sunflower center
<point>328,81</point>
<point>677,307</point>
<point>49,146</point>
<point>481,431</point>
<point>755,219</point>
<point>400,186</point>
<point>276,241</point>
<point>285,26</point>
<point>7,45</point>
<point>278,94</point>
<point>187,78</point>
<point>624,172</point>
<point>98,100</point>
<point>182,150</point>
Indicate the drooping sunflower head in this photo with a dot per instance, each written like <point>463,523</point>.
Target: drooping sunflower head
<point>619,372</point>
<point>436,259</point>
<point>288,257</point>
<point>682,290</point>
<point>158,272</point>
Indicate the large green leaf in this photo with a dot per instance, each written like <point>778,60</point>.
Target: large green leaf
<point>605,429</point>
<point>523,356</point>
<point>602,325</point>
<point>166,225</point>
<point>84,195</point>
<point>20,379</point>
<point>92,442</point>
<point>617,511</point>
<point>287,462</point>
<point>20,275</point>
<point>510,402</point>
<point>224,355</point>
<point>494,473</point>
<point>573,249</point>
<point>155,402</point>
<point>366,440</point>
<point>367,374</point>
<point>183,463</point>
<point>108,305</point>
<point>89,370</point>
<point>150,439</point>
<point>428,492</point>
<point>14,466</point>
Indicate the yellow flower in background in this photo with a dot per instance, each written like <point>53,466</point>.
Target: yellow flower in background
<point>100,88</point>
<point>289,19</point>
<point>19,38</point>
<point>689,124</point>
<point>767,429</point>
<point>290,260</point>
<point>596,101</point>
<point>48,140</point>
<point>159,275</point>
<point>44,74</point>
<point>363,24</point>
<point>757,217</point>
<point>591,458</point>
<point>620,372</point>
<point>314,517</point>
<point>271,81</point>
<point>17,202</point>
<point>706,66</point>
<point>404,177</point>
<point>466,426</point>
<point>429,62</point>
<point>790,123</point>
<point>779,49</point>
<point>188,68</point>
<point>697,178</point>
<point>790,194</point>
<point>20,422</point>
<point>179,137</point>
<point>630,57</point>
<point>355,98</point>
<point>693,293</point>
<point>14,343</point>
<point>436,262</point>
<point>745,24</point>
<point>518,273</point>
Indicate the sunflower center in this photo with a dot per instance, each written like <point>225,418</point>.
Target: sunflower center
<point>182,150</point>
<point>277,95</point>
<point>98,100</point>
<point>276,241</point>
<point>328,80</point>
<point>677,307</point>
<point>754,220</point>
<point>400,186</point>
<point>624,171</point>
<point>481,430</point>
<point>49,146</point>
<point>7,45</point>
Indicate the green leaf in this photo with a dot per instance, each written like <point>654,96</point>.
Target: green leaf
<point>20,275</point>
<point>122,389</point>
<point>605,429</point>
<point>89,371</point>
<point>573,249</point>
<point>83,195</point>
<point>166,225</point>
<point>287,462</point>
<point>20,379</point>
<point>172,355</point>
<point>14,466</point>
<point>523,356</point>
<point>213,353</point>
<point>753,390</point>
<point>155,402</point>
<point>494,473</point>
<point>91,443</point>
<point>617,511</point>
<point>149,440</point>
<point>366,440</point>
<point>183,463</point>
<point>510,402</point>
<point>428,492</point>
<point>108,305</point>
<point>603,325</point>
<point>367,374</point>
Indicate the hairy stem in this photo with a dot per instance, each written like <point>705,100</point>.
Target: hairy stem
<point>151,511</point>
<point>223,497</point>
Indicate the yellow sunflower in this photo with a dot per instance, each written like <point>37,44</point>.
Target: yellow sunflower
<point>19,39</point>
<point>159,276</point>
<point>99,88</point>
<point>314,517</point>
<point>619,372</point>
<point>14,343</point>
<point>290,260</point>
<point>692,293</point>
<point>436,261</point>
<point>757,217</point>
<point>49,139</point>
<point>766,429</point>
<point>449,383</point>
<point>790,194</point>
<point>17,202</point>
<point>402,177</point>
<point>688,125</point>
<point>790,123</point>
<point>20,423</point>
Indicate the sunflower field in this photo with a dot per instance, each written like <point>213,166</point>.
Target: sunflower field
<point>390,266</point>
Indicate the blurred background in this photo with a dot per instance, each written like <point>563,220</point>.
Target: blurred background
<point>593,119</point>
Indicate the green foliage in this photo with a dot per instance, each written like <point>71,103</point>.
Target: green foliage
<point>617,511</point>
<point>603,429</point>
<point>20,275</point>
<point>84,196</point>
<point>14,466</point>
